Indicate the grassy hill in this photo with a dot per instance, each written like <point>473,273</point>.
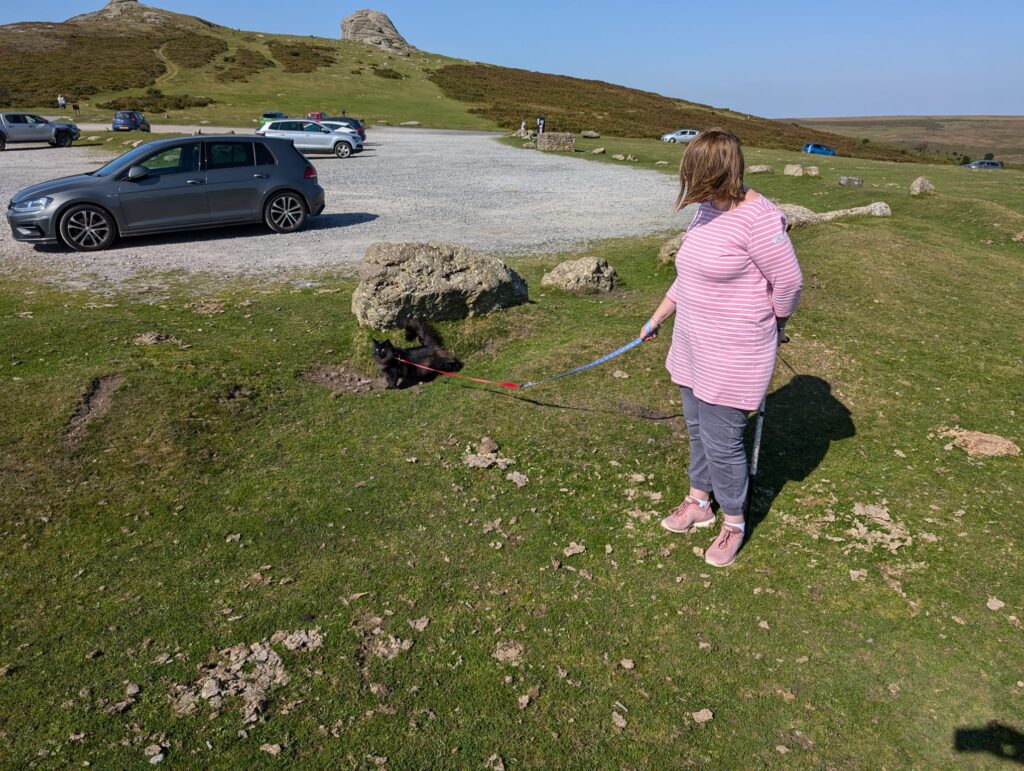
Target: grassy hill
<point>184,69</point>
<point>969,135</point>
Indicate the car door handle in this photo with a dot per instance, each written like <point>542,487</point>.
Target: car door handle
<point>196,182</point>
<point>261,176</point>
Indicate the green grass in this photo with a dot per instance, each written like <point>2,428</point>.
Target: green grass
<point>120,546</point>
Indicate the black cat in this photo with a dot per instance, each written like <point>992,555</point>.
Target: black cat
<point>430,353</point>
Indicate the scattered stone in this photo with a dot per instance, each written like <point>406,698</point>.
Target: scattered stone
<point>556,141</point>
<point>994,603</point>
<point>399,282</point>
<point>495,763</point>
<point>620,375</point>
<point>412,123</point>
<point>661,163</point>
<point>703,716</point>
<point>487,446</point>
<point>921,185</point>
<point>632,158</point>
<point>529,145</point>
<point>519,480</point>
<point>619,157</point>
<point>627,664</point>
<point>851,182</point>
<point>811,171</point>
<point>598,151</point>
<point>590,135</point>
<point>1019,236</point>
<point>271,749</point>
<point>858,575</point>
<point>793,170</point>
<point>419,624</point>
<point>509,652</point>
<point>573,549</point>
<point>619,721</point>
<point>782,749</point>
<point>587,275</point>
<point>884,531</point>
<point>979,445</point>
<point>155,338</point>
<point>760,169</point>
<point>302,640</point>
<point>670,249</point>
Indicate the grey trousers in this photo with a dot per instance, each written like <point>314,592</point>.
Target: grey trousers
<point>718,459</point>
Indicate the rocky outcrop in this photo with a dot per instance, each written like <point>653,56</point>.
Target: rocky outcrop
<point>851,182</point>
<point>811,171</point>
<point>398,282</point>
<point>921,185</point>
<point>760,169</point>
<point>376,29</point>
<point>588,275</point>
<point>793,170</point>
<point>801,216</point>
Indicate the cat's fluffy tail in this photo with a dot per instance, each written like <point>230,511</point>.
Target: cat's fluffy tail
<point>422,329</point>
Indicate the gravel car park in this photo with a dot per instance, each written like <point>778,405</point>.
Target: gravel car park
<point>409,185</point>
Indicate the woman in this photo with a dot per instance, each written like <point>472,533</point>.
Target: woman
<point>737,283</point>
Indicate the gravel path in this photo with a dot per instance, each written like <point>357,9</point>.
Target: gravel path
<point>409,185</point>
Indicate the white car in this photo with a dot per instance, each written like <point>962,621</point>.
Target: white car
<point>683,135</point>
<point>309,136</point>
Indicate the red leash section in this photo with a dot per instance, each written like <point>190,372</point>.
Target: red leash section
<point>456,374</point>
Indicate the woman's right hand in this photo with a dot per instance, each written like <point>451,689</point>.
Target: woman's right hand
<point>649,331</point>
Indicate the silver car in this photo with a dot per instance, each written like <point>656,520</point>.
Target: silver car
<point>26,127</point>
<point>309,136</point>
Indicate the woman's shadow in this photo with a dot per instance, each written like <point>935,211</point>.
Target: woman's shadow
<point>802,419</point>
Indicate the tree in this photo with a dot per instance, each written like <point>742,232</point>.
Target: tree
<point>990,156</point>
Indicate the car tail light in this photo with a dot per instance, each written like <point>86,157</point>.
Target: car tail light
<point>310,172</point>
<point>261,133</point>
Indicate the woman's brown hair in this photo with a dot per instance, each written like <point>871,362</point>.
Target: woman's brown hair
<point>711,169</point>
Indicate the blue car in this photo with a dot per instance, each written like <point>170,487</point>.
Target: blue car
<point>818,149</point>
<point>984,165</point>
<point>129,120</point>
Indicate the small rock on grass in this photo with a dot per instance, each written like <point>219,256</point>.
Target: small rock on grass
<point>703,716</point>
<point>519,480</point>
<point>619,721</point>
<point>858,575</point>
<point>271,749</point>
<point>509,652</point>
<point>627,664</point>
<point>573,549</point>
<point>419,624</point>
<point>495,763</point>
<point>994,603</point>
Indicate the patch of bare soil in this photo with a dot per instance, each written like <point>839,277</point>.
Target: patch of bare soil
<point>209,307</point>
<point>343,380</point>
<point>94,404</point>
<point>155,338</point>
<point>979,445</point>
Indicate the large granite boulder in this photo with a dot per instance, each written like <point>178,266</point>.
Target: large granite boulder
<point>921,185</point>
<point>801,216</point>
<point>793,170</point>
<point>851,182</point>
<point>398,282</point>
<point>760,168</point>
<point>588,275</point>
<point>376,29</point>
<point>590,135</point>
<point>556,141</point>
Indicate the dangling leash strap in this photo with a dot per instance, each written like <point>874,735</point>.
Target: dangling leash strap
<point>607,357</point>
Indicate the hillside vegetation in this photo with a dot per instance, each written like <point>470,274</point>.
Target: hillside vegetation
<point>116,55</point>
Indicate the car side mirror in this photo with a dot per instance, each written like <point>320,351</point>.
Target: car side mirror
<point>137,173</point>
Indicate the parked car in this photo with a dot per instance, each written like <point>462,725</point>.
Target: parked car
<point>354,123</point>
<point>984,165</point>
<point>317,116</point>
<point>817,149</point>
<point>172,184</point>
<point>269,116</point>
<point>129,120</point>
<point>312,137</point>
<point>343,128</point>
<point>683,135</point>
<point>26,127</point>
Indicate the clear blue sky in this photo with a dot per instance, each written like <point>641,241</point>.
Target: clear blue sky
<point>790,58</point>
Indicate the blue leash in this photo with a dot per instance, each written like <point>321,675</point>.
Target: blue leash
<point>597,362</point>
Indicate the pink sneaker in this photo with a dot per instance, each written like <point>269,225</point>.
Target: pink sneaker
<point>689,514</point>
<point>723,550</point>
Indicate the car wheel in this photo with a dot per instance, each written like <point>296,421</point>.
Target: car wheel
<point>672,141</point>
<point>87,228</point>
<point>343,149</point>
<point>3,143</point>
<point>62,139</point>
<point>285,213</point>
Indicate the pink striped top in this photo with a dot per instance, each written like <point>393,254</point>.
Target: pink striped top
<point>735,273</point>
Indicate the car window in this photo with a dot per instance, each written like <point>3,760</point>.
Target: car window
<point>312,128</point>
<point>173,160</point>
<point>35,120</point>
<point>289,125</point>
<point>263,155</point>
<point>19,119</point>
<point>230,155</point>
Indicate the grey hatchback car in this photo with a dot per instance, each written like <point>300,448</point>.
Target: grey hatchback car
<point>172,184</point>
